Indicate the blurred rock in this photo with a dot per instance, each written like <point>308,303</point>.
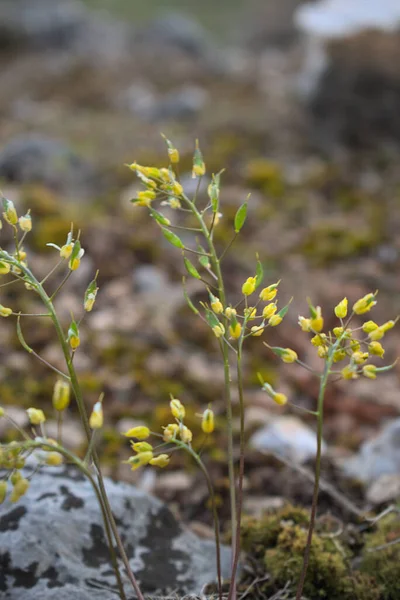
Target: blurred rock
<point>350,75</point>
<point>377,457</point>
<point>148,278</point>
<point>53,543</point>
<point>183,103</point>
<point>385,489</point>
<point>40,24</point>
<point>287,436</point>
<point>38,159</point>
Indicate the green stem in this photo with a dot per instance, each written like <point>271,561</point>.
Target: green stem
<point>320,419</point>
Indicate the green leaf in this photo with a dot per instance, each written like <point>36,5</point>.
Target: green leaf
<point>259,274</point>
<point>191,269</point>
<point>172,238</point>
<point>91,289</point>
<point>204,261</point>
<point>284,310</point>
<point>213,192</point>
<point>73,329</point>
<point>75,251</point>
<point>240,217</point>
<point>211,319</point>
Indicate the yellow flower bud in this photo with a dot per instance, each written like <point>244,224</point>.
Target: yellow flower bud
<point>289,356</point>
<point>61,395</point>
<point>230,312</point>
<point>161,460</point>
<point>219,330</point>
<point>317,322</point>
<point>339,355</point>
<point>141,447</point>
<point>3,491</point>
<point>376,334</point>
<point>96,419</point>
<point>318,340</point>
<point>275,320</point>
<point>36,416</point>
<point>235,330</point>
<point>198,170</point>
<point>5,268</point>
<point>19,490</point>
<point>217,307</point>
<point>54,459</point>
<point>369,371</point>
<point>173,154</point>
<point>349,372</point>
<point>177,409</point>
<point>74,341</point>
<point>269,310</point>
<point>177,189</point>
<point>66,250</point>
<point>170,432</point>
<point>376,349</point>
<point>341,309</point>
<point>249,286</point>
<point>369,326</point>
<point>4,311</point>
<point>257,330</point>
<point>305,324</point>
<point>10,214</point>
<point>388,325</point>
<point>359,357</point>
<point>338,331</point>
<point>322,351</point>
<point>25,223</point>
<point>280,398</point>
<point>250,313</point>
<point>185,434</point>
<point>174,203</point>
<point>268,293</point>
<point>89,302</point>
<point>207,421</point>
<point>141,432</point>
<point>364,304</point>
<point>141,459</point>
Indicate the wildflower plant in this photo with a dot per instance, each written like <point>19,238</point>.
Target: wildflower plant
<point>231,324</point>
<point>346,352</point>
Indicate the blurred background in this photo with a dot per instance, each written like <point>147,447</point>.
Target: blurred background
<point>299,102</point>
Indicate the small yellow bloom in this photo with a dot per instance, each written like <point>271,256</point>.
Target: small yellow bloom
<point>161,460</point>
<point>388,325</point>
<point>280,398</point>
<point>317,322</point>
<point>338,331</point>
<point>177,409</point>
<point>198,170</point>
<point>364,304</point>
<point>74,341</point>
<point>36,416</point>
<point>66,250</point>
<point>250,313</point>
<point>249,286</point>
<point>141,459</point>
<point>318,340</point>
<point>61,395</point>
<point>54,459</point>
<point>355,345</point>
<point>268,293</point>
<point>4,311</point>
<point>339,355</point>
<point>235,330</point>
<point>207,421</point>
<point>173,154</point>
<point>10,214</point>
<point>177,189</point>
<point>269,310</point>
<point>219,330</point>
<point>3,491</point>
<point>275,320</point>
<point>369,371</point>
<point>322,351</point>
<point>185,434</point>
<point>376,334</point>
<point>5,268</point>
<point>170,432</point>
<point>349,372</point>
<point>216,305</point>
<point>369,326</point>
<point>25,223</point>
<point>96,419</point>
<point>19,490</point>
<point>141,432</point>
<point>305,324</point>
<point>142,447</point>
<point>359,357</point>
<point>230,312</point>
<point>174,203</point>
<point>376,349</point>
<point>289,356</point>
<point>341,309</point>
<point>89,302</point>
<point>257,330</point>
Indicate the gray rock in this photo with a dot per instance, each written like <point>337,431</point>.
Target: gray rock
<point>377,457</point>
<point>350,75</point>
<point>40,24</point>
<point>176,30</point>
<point>52,543</point>
<point>287,436</point>
<point>385,489</point>
<point>183,103</point>
<point>38,159</point>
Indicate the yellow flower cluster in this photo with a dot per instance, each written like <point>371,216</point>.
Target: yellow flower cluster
<point>345,343</point>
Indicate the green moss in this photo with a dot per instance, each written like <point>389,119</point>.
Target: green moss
<point>278,541</point>
<point>384,564</point>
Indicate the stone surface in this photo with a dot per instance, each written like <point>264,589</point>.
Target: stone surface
<point>52,543</point>
<point>287,436</point>
<point>377,457</point>
<point>39,159</point>
<point>385,489</point>
<point>350,76</point>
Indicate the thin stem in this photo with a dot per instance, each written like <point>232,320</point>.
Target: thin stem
<point>228,246</point>
<point>320,419</point>
<point>50,273</point>
<point>64,281</point>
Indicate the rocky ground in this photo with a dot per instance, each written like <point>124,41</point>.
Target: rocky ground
<point>83,93</point>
